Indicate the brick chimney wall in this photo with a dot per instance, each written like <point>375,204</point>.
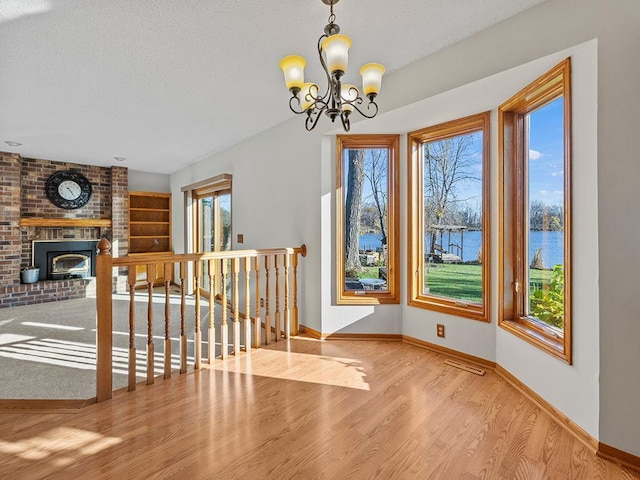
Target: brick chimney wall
<point>22,194</point>
<point>11,246</point>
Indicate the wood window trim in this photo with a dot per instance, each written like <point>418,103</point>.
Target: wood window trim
<point>193,190</point>
<point>197,196</point>
<point>219,182</point>
<point>370,297</point>
<point>550,86</point>
<point>454,128</point>
<point>214,191</point>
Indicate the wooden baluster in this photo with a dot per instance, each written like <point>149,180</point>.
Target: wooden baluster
<point>151,275</point>
<point>287,313</point>
<point>295,326</point>
<point>212,303</point>
<point>267,315</point>
<point>131,280</point>
<point>257,321</point>
<point>224,334</point>
<point>236,305</point>
<point>278,323</point>
<point>183,314</point>
<point>247,304</point>
<point>104,334</point>
<point>198,333</point>
<point>168,267</point>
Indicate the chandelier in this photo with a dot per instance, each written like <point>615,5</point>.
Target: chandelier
<point>339,99</point>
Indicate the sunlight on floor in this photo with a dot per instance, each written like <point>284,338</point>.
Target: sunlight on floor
<point>301,367</point>
<point>51,325</point>
<point>63,353</point>
<point>7,338</point>
<point>65,445</point>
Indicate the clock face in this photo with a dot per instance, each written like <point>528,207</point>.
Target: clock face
<point>68,189</point>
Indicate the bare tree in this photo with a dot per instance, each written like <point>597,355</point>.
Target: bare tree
<point>353,203</point>
<point>545,217</point>
<point>376,176</point>
<point>447,164</point>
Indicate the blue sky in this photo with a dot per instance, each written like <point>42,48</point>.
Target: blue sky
<point>546,153</point>
<point>546,159</point>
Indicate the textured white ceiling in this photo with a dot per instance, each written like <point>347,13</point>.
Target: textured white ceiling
<point>166,83</point>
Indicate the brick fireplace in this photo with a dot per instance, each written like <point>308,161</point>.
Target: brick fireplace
<point>28,216</point>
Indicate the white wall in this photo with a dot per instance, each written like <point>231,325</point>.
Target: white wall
<point>284,178</point>
<point>275,199</point>
<point>619,222</point>
<point>148,182</point>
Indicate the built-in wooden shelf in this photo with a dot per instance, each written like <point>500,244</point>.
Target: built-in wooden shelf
<point>149,230</point>
<point>64,222</point>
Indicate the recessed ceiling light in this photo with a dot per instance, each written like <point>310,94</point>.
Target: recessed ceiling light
<point>13,144</point>
<point>119,159</point>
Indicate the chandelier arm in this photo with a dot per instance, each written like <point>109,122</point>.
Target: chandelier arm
<point>292,104</point>
<point>312,119</point>
<point>346,123</point>
<point>324,66</point>
<point>319,105</point>
<point>366,115</point>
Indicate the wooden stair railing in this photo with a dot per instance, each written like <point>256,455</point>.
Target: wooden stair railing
<point>222,268</point>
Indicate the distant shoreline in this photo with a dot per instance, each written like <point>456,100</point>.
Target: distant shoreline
<point>550,241</point>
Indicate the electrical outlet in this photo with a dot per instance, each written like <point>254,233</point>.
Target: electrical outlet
<point>240,238</point>
<point>261,302</point>
<point>440,330</point>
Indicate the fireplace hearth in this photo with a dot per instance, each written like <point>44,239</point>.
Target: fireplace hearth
<point>61,260</point>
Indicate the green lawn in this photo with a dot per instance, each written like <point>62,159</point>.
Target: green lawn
<point>457,281</point>
<point>368,272</point>
<point>464,281</point>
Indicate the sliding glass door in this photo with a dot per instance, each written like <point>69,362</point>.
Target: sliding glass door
<point>212,228</point>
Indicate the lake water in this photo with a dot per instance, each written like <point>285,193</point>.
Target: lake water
<point>551,243</point>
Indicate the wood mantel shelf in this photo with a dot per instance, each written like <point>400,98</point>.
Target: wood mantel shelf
<point>64,222</point>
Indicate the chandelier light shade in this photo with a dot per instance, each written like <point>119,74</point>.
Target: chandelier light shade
<point>338,100</point>
<point>336,49</point>
<point>372,78</point>
<point>293,68</point>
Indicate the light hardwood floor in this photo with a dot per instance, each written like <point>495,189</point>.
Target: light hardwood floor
<point>306,409</point>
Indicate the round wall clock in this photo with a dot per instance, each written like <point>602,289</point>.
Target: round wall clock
<point>68,189</point>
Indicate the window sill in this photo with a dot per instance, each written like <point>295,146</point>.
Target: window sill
<point>538,338</point>
<point>367,297</point>
<point>473,311</point>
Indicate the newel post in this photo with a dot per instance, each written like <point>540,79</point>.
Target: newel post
<point>104,335</point>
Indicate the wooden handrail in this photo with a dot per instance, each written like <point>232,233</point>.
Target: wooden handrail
<point>156,258</point>
<point>234,267</point>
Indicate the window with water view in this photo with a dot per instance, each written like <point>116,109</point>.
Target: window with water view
<point>544,224</point>
<point>367,219</point>
<point>535,131</point>
<point>449,229</point>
